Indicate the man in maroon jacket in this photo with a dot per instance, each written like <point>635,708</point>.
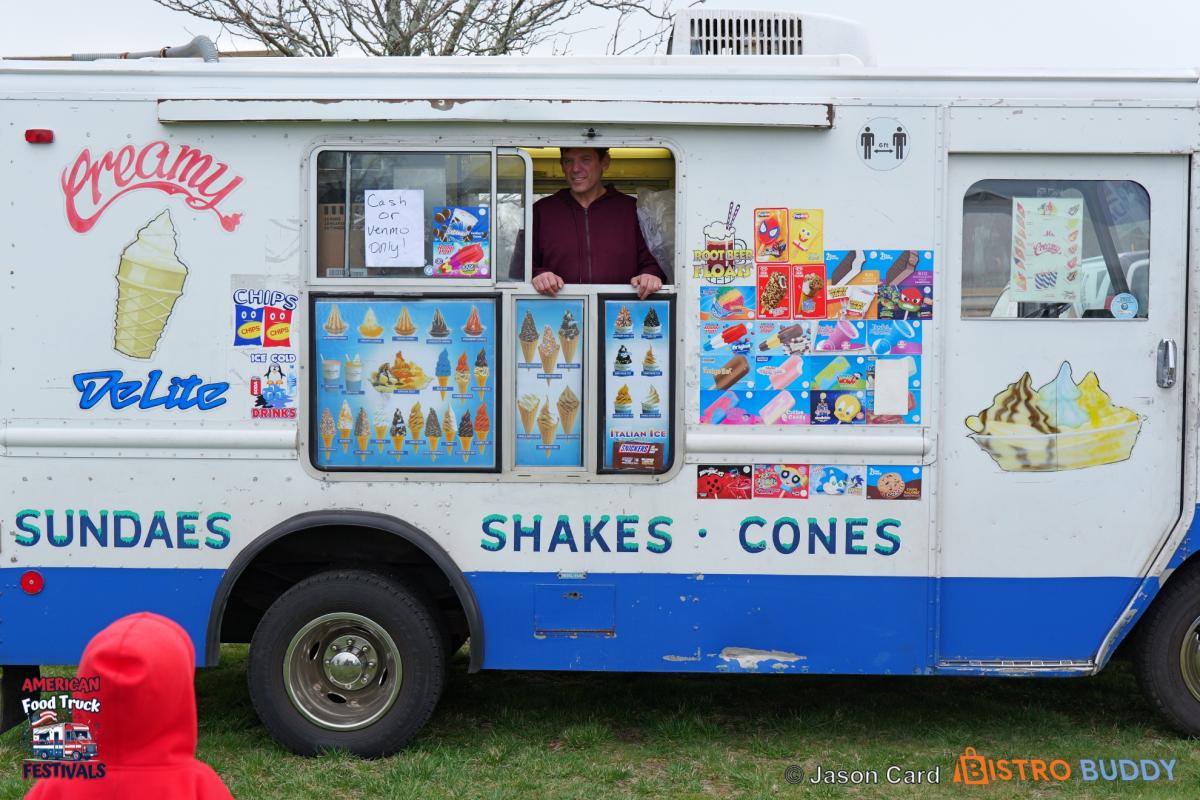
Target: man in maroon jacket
<point>589,232</point>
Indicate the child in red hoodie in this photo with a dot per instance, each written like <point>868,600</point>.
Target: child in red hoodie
<point>145,728</point>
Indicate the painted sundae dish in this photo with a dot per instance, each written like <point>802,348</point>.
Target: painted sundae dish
<point>1060,426</point>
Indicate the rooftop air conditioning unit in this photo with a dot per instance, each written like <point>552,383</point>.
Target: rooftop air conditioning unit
<point>707,31</point>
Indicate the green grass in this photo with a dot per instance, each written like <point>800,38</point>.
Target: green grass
<point>596,736</point>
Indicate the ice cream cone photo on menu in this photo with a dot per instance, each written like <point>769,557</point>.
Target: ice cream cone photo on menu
<point>466,434</point>
<point>328,429</point>
<point>548,351</point>
<point>483,426</point>
<point>433,432</point>
<point>528,338</point>
<point>547,426</point>
<point>528,406</point>
<point>344,423</point>
<point>150,280</point>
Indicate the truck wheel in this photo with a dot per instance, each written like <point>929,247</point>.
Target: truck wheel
<point>346,660</point>
<point>1167,659</point>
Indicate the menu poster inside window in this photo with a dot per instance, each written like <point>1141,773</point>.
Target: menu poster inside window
<point>394,227</point>
<point>636,372</point>
<point>405,384</point>
<point>549,391</point>
<point>1047,235</point>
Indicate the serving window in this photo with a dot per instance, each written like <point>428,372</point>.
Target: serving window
<point>455,364</point>
<point>1056,249</point>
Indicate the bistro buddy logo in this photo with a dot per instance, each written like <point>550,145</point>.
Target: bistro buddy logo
<point>973,769</point>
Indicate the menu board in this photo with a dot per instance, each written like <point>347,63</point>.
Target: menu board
<point>405,384</point>
<point>635,371</point>
<point>549,378</point>
<point>1045,249</point>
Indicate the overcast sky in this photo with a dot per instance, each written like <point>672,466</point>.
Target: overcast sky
<point>941,33</point>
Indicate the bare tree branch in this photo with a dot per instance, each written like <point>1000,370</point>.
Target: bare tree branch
<point>427,27</point>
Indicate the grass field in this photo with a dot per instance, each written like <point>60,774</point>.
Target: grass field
<point>597,736</point>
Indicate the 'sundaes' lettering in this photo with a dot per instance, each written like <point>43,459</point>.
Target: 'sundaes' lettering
<point>92,185</point>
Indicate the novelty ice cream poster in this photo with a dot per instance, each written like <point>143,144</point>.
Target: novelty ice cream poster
<point>1046,234</point>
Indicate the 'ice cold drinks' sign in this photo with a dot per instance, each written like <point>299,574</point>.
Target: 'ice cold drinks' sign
<point>394,227</point>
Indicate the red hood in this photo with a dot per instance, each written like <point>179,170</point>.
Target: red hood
<point>147,711</point>
<point>145,728</point>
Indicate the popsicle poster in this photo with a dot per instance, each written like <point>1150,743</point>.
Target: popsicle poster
<point>549,378</point>
<point>636,384</point>
<point>405,384</point>
<point>1046,234</point>
<point>461,242</point>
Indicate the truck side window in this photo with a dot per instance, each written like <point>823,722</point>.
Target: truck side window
<point>412,214</point>
<point>1056,249</point>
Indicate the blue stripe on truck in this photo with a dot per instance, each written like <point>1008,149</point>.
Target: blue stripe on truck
<point>53,626</point>
<point>786,623</point>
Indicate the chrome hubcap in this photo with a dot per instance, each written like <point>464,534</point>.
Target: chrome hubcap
<point>342,671</point>
<point>1189,658</point>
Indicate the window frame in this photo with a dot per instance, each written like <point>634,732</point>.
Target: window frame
<point>1088,189</point>
<point>309,213</point>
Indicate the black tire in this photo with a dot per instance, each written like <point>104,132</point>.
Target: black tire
<point>1159,658</point>
<point>403,625</point>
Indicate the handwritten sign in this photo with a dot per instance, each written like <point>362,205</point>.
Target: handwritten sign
<point>1047,234</point>
<point>394,227</point>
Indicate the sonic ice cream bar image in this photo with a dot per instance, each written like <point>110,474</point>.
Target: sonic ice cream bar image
<point>386,376</point>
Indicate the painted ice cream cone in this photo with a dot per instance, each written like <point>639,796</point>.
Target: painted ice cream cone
<point>150,279</point>
<point>362,442</point>
<point>466,442</point>
<point>434,441</point>
<point>327,438</point>
<point>398,445</point>
<point>443,380</point>
<point>449,429</point>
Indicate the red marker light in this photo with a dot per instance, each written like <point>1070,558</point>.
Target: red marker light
<point>39,136</point>
<point>32,582</point>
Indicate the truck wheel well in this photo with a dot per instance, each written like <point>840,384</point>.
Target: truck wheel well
<point>324,540</point>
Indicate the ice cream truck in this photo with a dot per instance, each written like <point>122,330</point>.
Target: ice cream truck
<point>63,740</point>
<point>910,403</point>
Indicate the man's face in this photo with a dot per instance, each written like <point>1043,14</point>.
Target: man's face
<point>583,168</point>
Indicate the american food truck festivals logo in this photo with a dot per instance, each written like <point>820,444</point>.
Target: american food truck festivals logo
<point>61,749</point>
<point>92,185</point>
